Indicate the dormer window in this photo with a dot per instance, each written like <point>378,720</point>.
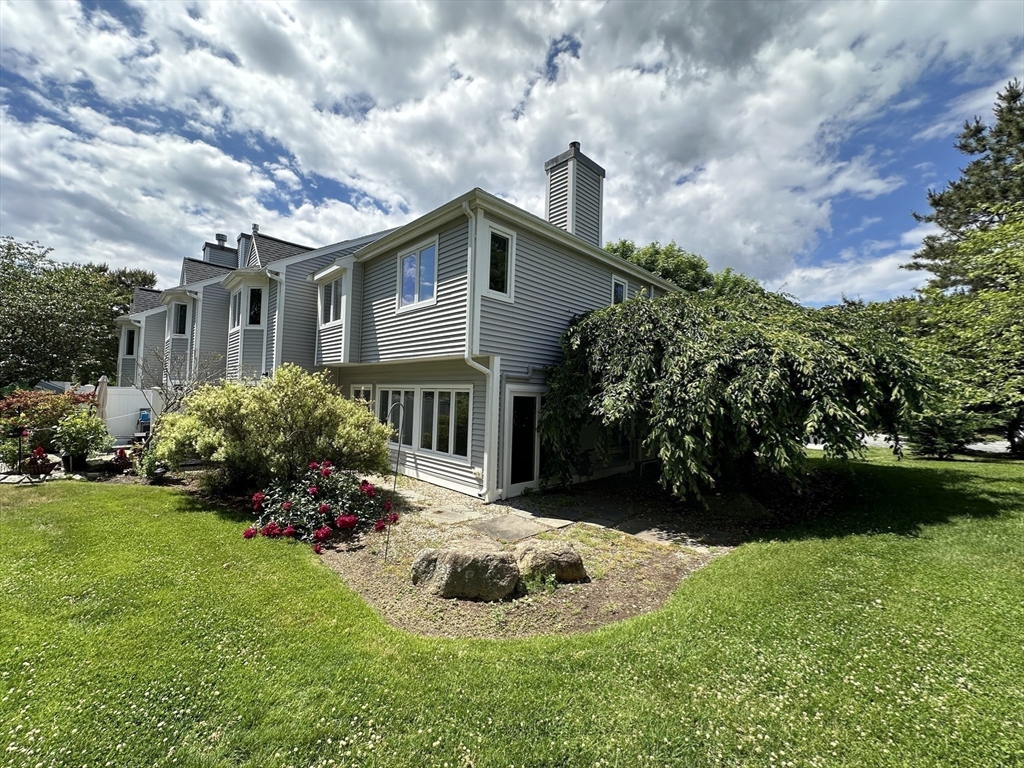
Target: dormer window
<point>255,306</point>
<point>417,275</point>
<point>236,309</point>
<point>129,342</point>
<point>330,301</point>
<point>179,316</point>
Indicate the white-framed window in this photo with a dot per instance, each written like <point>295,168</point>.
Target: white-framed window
<point>236,309</point>
<point>179,319</point>
<point>362,392</point>
<point>129,342</point>
<point>255,314</point>
<point>650,291</point>
<point>330,302</point>
<point>501,263</point>
<point>618,290</point>
<point>417,275</point>
<point>436,418</point>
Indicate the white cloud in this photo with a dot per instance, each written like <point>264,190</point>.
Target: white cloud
<point>409,105</point>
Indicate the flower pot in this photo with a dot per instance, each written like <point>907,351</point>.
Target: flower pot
<point>74,463</point>
<point>39,470</point>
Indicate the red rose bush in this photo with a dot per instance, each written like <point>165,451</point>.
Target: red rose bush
<point>323,503</point>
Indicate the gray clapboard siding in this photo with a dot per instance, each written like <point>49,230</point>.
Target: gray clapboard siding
<point>152,349</point>
<point>551,286</point>
<point>252,352</point>
<point>234,352</point>
<point>428,331</point>
<point>356,297</point>
<point>558,197</point>
<point>299,320</point>
<point>330,349</point>
<point>442,372</point>
<point>587,205</point>
<point>126,377</point>
<point>271,310</point>
<point>213,342</point>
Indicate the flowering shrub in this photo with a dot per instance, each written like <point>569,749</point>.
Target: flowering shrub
<point>321,503</point>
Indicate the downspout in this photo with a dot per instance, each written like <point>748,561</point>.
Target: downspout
<point>487,483</point>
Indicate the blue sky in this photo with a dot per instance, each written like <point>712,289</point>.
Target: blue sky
<point>788,141</point>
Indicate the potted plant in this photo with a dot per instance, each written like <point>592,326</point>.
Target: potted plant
<point>80,435</point>
<point>38,463</point>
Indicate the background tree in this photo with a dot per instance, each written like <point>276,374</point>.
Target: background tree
<point>687,270</point>
<point>970,203</point>
<point>57,320</point>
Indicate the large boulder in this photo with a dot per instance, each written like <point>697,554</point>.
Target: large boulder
<point>543,559</point>
<point>473,570</point>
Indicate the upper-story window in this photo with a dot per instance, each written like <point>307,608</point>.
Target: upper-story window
<point>618,290</point>
<point>418,275</point>
<point>236,309</point>
<point>129,342</point>
<point>501,263</point>
<point>330,302</point>
<point>255,306</point>
<point>179,318</point>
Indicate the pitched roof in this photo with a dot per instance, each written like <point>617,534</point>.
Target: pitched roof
<point>144,299</point>
<point>271,249</point>
<point>194,270</point>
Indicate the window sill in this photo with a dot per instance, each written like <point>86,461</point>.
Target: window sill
<point>414,307</point>
<point>508,298</point>
<point>332,324</point>
<point>430,453</point>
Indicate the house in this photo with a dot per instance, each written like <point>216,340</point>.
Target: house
<point>443,326</point>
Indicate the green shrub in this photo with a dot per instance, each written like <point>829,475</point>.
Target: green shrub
<point>941,434</point>
<point>38,412</point>
<point>273,429</point>
<point>82,433</point>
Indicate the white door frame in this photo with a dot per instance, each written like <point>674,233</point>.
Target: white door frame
<point>513,390</point>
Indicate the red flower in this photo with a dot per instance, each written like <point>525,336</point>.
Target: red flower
<point>392,518</point>
<point>271,529</point>
<point>257,501</point>
<point>317,549</point>
<point>325,509</point>
<point>387,506</point>
<point>380,525</point>
<point>322,534</point>
<point>248,533</point>
<point>314,465</point>
<point>313,490</point>
<point>286,506</point>
<point>24,433</point>
<point>288,531</point>
<point>327,463</point>
<point>346,522</point>
<point>368,489</point>
<point>40,453</point>
<point>325,472</point>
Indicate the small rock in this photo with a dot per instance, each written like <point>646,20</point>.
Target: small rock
<point>470,570</point>
<point>541,559</point>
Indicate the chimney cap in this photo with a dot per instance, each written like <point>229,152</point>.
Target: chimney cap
<point>574,145</point>
<point>574,152</point>
<point>255,228</point>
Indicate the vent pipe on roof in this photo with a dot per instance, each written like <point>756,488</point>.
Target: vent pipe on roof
<point>255,229</point>
<point>221,240</point>
<point>575,192</point>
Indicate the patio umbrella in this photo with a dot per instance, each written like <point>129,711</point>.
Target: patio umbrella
<point>101,398</point>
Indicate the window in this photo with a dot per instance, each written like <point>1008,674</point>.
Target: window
<point>400,418</point>
<point>236,310</point>
<point>499,263</point>
<point>129,342</point>
<point>444,421</point>
<point>618,290</point>
<point>362,392</point>
<point>179,316</point>
<point>330,302</point>
<point>255,306</point>
<point>418,275</point>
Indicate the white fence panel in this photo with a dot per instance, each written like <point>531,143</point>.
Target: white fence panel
<point>123,406</point>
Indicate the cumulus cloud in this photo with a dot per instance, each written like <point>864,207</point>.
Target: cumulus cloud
<point>724,126</point>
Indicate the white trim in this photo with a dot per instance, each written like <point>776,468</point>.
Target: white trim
<point>512,390</point>
<point>232,324</point>
<point>263,309</point>
<point>625,289</point>
<point>570,216</point>
<point>510,274</point>
<point>173,316</point>
<point>415,250</point>
<point>320,303</point>
<point>124,343</point>
<point>279,322</point>
<point>417,421</point>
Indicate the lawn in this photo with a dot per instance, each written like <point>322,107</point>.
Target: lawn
<point>137,628</point>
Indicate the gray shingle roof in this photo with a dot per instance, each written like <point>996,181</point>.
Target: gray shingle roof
<point>144,299</point>
<point>270,249</point>
<point>194,270</point>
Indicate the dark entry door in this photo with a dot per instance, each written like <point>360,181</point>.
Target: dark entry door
<point>524,439</point>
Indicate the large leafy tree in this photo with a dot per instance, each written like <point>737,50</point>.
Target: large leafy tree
<point>717,382</point>
<point>687,270</point>
<point>57,320</point>
<point>972,202</point>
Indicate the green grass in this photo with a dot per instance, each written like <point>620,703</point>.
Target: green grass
<point>139,629</point>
